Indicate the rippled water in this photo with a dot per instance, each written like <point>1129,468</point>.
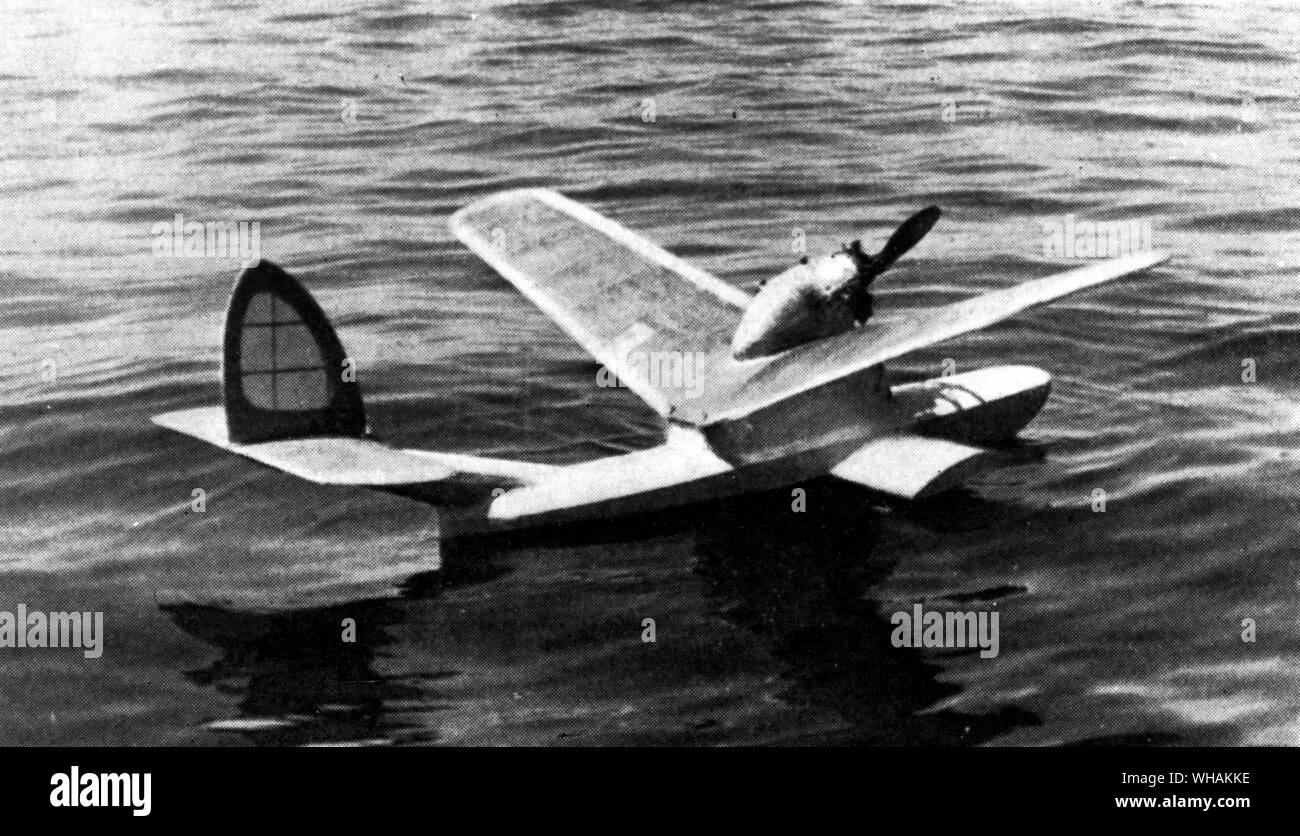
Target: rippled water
<point>350,131</point>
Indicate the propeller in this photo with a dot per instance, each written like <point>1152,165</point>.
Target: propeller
<point>904,238</point>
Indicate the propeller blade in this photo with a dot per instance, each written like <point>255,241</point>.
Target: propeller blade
<point>905,237</point>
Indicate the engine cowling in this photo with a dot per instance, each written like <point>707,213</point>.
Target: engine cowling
<point>824,298</point>
<point>809,301</point>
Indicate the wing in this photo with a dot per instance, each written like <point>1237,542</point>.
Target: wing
<point>911,466</point>
<point>659,324</point>
<point>816,364</point>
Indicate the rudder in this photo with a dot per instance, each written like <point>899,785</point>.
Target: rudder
<point>284,371</point>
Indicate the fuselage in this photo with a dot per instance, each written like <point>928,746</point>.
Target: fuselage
<point>791,442</point>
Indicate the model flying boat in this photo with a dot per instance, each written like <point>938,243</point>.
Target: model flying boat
<point>785,384</point>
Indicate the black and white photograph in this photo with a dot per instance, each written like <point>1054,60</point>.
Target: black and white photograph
<point>901,375</point>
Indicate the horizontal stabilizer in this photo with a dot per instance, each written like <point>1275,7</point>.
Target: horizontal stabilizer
<point>326,460</point>
<point>910,466</point>
<point>340,460</point>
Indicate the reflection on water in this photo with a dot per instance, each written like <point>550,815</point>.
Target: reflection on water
<point>808,584</point>
<point>804,584</point>
<point>297,681</point>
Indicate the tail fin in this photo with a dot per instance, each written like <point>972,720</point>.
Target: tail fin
<point>292,404</point>
<point>285,372</point>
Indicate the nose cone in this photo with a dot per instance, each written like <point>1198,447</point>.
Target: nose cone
<point>804,303</point>
<point>834,273</point>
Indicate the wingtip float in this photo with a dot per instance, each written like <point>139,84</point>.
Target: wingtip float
<point>786,395</point>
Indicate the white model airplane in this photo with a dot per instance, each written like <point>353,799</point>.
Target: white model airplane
<point>790,381</point>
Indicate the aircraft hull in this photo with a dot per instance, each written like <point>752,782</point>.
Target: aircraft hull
<point>803,441</point>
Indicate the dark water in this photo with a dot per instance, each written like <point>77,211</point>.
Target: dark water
<point>1122,626</point>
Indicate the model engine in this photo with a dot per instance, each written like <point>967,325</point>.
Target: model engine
<point>807,302</point>
<point>819,299</point>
